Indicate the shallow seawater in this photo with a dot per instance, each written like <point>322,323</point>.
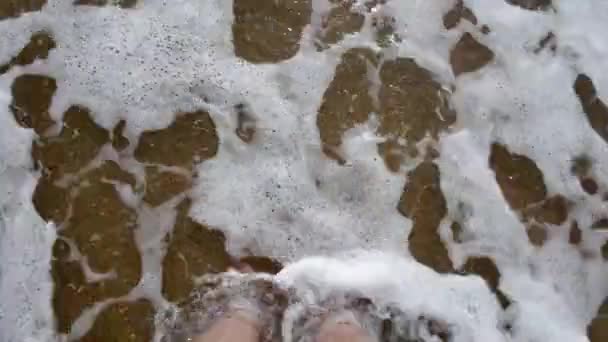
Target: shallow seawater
<point>445,160</point>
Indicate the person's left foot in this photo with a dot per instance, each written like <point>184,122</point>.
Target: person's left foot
<point>247,299</point>
<point>343,327</point>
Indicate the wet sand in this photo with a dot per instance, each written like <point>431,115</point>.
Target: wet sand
<point>95,257</point>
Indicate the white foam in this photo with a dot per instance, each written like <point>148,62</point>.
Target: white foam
<point>280,196</point>
<point>275,187</point>
<point>391,280</point>
<point>555,281</point>
<point>25,240</point>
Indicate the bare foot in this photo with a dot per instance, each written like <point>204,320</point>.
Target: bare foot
<point>240,323</point>
<point>236,326</point>
<point>343,327</point>
<point>252,313</point>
